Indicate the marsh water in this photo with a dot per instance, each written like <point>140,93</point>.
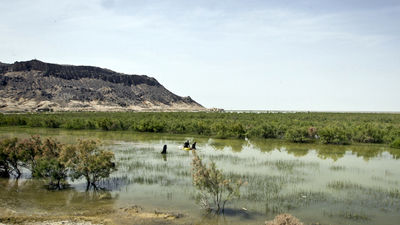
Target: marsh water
<point>355,184</point>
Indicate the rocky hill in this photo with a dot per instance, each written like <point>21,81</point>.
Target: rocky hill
<point>39,86</point>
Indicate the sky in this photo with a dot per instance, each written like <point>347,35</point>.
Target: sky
<point>313,55</point>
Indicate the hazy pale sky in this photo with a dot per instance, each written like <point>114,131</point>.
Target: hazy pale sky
<point>327,55</point>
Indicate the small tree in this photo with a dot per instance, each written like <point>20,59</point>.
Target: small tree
<point>91,162</point>
<point>31,151</point>
<point>52,169</point>
<point>11,156</point>
<point>51,164</point>
<point>213,184</point>
<point>4,167</point>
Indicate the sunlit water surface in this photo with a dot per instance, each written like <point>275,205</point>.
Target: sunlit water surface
<point>356,184</point>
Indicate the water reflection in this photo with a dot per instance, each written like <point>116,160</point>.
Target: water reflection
<point>334,152</point>
<point>31,195</point>
<point>236,145</point>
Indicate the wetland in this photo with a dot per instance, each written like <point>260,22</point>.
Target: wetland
<point>326,184</point>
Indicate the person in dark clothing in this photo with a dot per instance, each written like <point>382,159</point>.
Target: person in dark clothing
<point>194,146</point>
<point>186,144</point>
<point>164,151</point>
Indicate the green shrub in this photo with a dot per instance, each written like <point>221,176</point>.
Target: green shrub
<point>87,160</point>
<point>51,123</point>
<point>11,157</point>
<point>395,143</point>
<point>52,169</point>
<point>177,128</point>
<point>76,124</point>
<point>15,154</point>
<point>269,131</point>
<point>201,127</point>
<point>369,133</point>
<point>150,125</point>
<point>90,124</point>
<point>108,124</point>
<point>220,130</point>
<point>50,163</point>
<point>34,122</point>
<point>334,135</point>
<point>12,121</point>
<point>32,148</point>
<point>391,134</point>
<point>265,130</point>
<point>237,130</point>
<point>298,135</point>
<point>4,167</point>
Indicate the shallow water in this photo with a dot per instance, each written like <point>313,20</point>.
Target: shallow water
<point>357,184</point>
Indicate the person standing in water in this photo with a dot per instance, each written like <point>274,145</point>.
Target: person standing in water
<point>164,151</point>
<point>186,144</point>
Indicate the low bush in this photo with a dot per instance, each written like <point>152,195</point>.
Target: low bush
<point>368,133</point>
<point>299,135</point>
<point>395,144</point>
<point>87,160</point>
<point>334,135</point>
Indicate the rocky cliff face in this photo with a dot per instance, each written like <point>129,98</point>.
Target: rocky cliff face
<point>38,86</point>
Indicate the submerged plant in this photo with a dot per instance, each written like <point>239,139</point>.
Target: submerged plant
<point>214,185</point>
<point>341,185</point>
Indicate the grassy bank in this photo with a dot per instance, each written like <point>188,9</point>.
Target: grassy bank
<point>327,128</point>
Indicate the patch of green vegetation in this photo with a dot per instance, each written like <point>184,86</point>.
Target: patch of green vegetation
<point>327,128</point>
<point>395,144</point>
<point>299,135</point>
<point>334,134</point>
